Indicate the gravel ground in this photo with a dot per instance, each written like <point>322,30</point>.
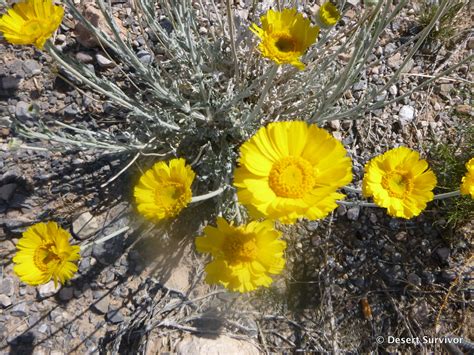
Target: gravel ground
<point>351,278</point>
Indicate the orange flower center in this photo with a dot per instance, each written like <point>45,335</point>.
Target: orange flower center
<point>171,196</point>
<point>45,256</point>
<point>397,183</point>
<point>292,177</point>
<point>240,248</point>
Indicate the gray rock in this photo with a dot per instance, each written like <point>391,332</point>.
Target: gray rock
<point>5,122</point>
<point>71,110</point>
<point>395,61</point>
<point>6,286</point>
<point>102,305</point>
<point>393,90</point>
<point>8,84</point>
<point>5,301</point>
<point>19,310</point>
<point>43,328</point>
<point>360,85</point>
<point>84,226</point>
<point>6,191</point>
<point>448,276</point>
<point>66,293</point>
<point>114,316</point>
<point>312,226</point>
<point>84,57</point>
<point>406,114</point>
<point>47,290</point>
<point>443,254</point>
<point>31,67</point>
<point>353,213</point>
<point>428,277</point>
<point>103,62</point>
<point>23,111</point>
<point>414,279</point>
<point>145,57</point>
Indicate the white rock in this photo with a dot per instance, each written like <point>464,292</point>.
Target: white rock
<point>406,114</point>
<point>47,290</point>
<point>393,90</point>
<point>5,301</point>
<point>194,345</point>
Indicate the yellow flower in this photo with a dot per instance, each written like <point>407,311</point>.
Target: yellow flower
<point>31,22</point>
<point>399,181</point>
<point>328,15</point>
<point>285,36</point>
<point>165,189</point>
<point>43,253</point>
<point>243,256</point>
<point>291,170</point>
<point>467,186</point>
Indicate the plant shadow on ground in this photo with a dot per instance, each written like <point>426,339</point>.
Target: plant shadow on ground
<point>352,281</point>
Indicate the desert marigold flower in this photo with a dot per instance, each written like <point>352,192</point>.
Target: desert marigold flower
<point>328,15</point>
<point>285,36</point>
<point>243,256</point>
<point>399,181</point>
<point>467,186</point>
<point>290,170</point>
<point>165,189</point>
<point>43,253</point>
<point>31,22</point>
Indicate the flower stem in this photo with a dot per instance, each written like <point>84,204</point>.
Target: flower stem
<point>208,195</point>
<point>103,239</point>
<point>356,203</point>
<point>258,106</point>
<point>447,195</point>
<point>230,18</point>
<point>351,189</point>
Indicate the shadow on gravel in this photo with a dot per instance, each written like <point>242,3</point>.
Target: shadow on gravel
<point>23,344</point>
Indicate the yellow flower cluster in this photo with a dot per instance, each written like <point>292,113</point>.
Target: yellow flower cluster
<point>287,171</point>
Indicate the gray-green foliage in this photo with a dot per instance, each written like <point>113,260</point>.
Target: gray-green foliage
<point>202,88</point>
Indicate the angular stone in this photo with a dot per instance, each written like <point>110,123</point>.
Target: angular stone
<point>47,290</point>
<point>66,293</point>
<point>103,61</point>
<point>31,67</point>
<point>114,316</point>
<point>19,310</point>
<point>353,213</point>
<point>6,286</point>
<point>84,226</point>
<point>406,114</point>
<point>97,19</point>
<point>5,301</point>
<point>101,306</point>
